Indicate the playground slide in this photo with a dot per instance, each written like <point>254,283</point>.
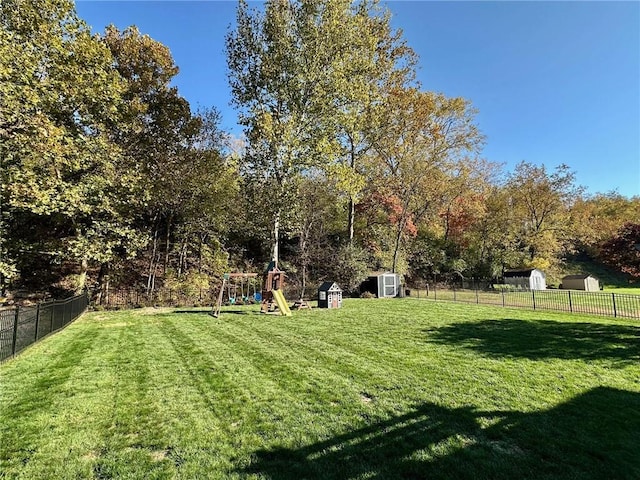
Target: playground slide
<point>281,302</point>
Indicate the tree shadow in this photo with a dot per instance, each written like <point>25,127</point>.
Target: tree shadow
<point>593,436</point>
<point>222,313</point>
<point>542,339</point>
<point>199,312</point>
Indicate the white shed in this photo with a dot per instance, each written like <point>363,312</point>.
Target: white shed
<point>384,284</point>
<point>583,281</point>
<point>530,278</point>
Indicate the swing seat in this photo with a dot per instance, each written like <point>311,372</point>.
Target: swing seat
<point>257,297</point>
<point>232,300</point>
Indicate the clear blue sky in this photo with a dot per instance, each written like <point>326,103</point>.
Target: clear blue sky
<point>554,82</point>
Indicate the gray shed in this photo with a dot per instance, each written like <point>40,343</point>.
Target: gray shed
<point>583,281</point>
<point>329,295</point>
<point>382,285</point>
<point>530,278</point>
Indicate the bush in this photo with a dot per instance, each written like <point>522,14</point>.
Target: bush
<point>368,295</point>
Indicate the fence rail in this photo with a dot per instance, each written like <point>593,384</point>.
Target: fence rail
<point>572,301</point>
<point>22,326</point>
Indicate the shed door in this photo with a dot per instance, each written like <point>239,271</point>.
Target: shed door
<point>536,282</point>
<point>334,300</point>
<point>390,286</point>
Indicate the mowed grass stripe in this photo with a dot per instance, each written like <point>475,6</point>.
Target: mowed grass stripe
<point>246,402</point>
<point>273,381</point>
<point>52,389</point>
<point>374,375</point>
<point>191,404</point>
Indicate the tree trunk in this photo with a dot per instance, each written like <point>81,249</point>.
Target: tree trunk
<point>276,238</point>
<point>200,242</point>
<point>303,257</point>
<point>168,243</point>
<point>103,284</point>
<point>152,262</point>
<point>304,282</point>
<point>352,219</point>
<point>352,204</point>
<point>396,249</point>
<point>82,278</point>
<point>182,260</point>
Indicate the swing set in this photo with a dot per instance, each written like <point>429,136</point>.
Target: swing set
<point>269,295</point>
<point>233,284</point>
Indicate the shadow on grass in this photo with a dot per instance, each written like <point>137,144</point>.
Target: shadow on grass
<point>199,312</point>
<point>224,312</point>
<point>594,435</point>
<point>543,339</point>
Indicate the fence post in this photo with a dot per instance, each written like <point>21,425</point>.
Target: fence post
<point>454,292</point>
<point>615,311</point>
<point>35,338</point>
<point>533,296</point>
<point>15,330</point>
<point>570,304</point>
<point>502,291</point>
<point>477,298</point>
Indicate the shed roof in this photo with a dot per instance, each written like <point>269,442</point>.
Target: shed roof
<point>519,273</point>
<point>329,286</point>
<point>581,276</point>
<point>378,274</point>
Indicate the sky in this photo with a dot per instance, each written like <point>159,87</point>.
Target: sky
<point>553,82</point>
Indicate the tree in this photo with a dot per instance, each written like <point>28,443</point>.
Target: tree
<point>367,60</point>
<point>598,217</point>
<point>623,249</point>
<point>178,153</point>
<point>307,76</point>
<point>493,236</point>
<point>423,150</point>
<point>314,248</point>
<point>541,205</point>
<point>62,194</point>
<point>272,82</point>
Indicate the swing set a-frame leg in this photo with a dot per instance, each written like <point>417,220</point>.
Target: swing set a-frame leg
<point>216,309</point>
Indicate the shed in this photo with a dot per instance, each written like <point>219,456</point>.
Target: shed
<point>583,281</point>
<point>329,295</point>
<point>530,278</point>
<point>383,285</point>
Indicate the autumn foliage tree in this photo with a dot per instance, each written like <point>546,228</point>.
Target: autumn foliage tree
<point>623,250</point>
<point>61,189</point>
<point>425,141</point>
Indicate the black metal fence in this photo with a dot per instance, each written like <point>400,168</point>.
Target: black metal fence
<point>22,326</point>
<point>163,297</point>
<point>572,301</point>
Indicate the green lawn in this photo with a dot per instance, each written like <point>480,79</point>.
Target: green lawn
<point>380,389</point>
<point>625,290</point>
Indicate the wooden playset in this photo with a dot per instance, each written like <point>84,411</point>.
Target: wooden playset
<point>271,297</point>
